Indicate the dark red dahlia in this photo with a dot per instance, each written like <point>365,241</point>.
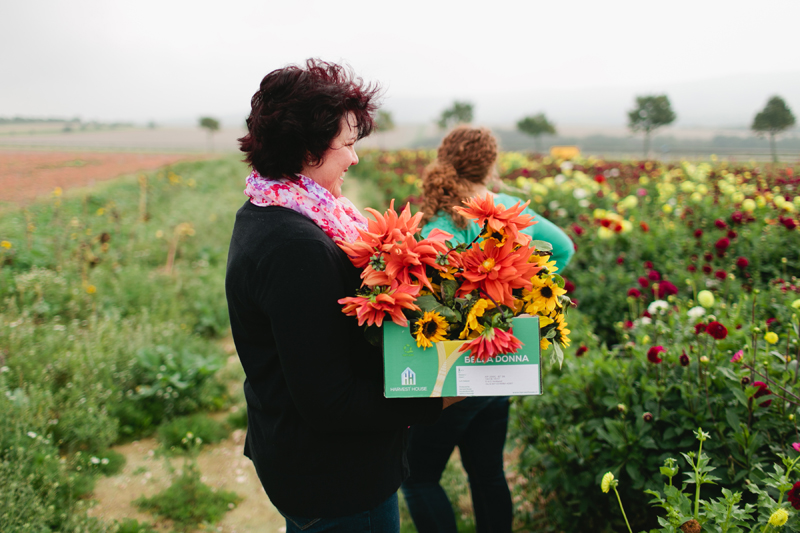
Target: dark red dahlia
<point>666,288</point>
<point>634,293</point>
<point>742,262</point>
<point>699,328</point>
<point>652,354</point>
<point>568,286</point>
<point>717,330</point>
<point>648,264</point>
<point>722,244</point>
<point>644,282</point>
<point>692,269</point>
<point>684,359</point>
<point>720,275</point>
<point>732,234</point>
<point>698,233</point>
<point>794,495</point>
<point>737,217</point>
<point>721,224</point>
<point>708,256</point>
<point>620,259</point>
<point>708,269</point>
<point>578,230</point>
<point>654,275</point>
<point>763,390</point>
<point>582,349</point>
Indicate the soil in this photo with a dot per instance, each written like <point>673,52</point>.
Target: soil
<point>222,466</point>
<point>26,175</point>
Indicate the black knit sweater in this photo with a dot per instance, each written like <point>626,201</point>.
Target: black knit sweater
<point>324,440</point>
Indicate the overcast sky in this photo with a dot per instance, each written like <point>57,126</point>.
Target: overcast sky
<point>167,60</point>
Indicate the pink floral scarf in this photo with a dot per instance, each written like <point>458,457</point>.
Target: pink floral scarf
<point>337,217</point>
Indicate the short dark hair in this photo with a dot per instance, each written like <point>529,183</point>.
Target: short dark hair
<point>297,112</point>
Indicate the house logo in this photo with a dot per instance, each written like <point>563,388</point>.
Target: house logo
<point>409,377</point>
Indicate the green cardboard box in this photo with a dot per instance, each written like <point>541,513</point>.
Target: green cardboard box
<point>413,372</point>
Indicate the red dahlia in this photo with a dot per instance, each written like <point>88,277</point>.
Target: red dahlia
<point>652,354</point>
<point>717,330</point>
<point>794,495</point>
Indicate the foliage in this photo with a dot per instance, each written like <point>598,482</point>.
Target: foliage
<point>211,124</point>
<point>189,502</point>
<point>536,126</point>
<point>187,431</point>
<point>131,525</point>
<point>773,119</point>
<point>650,113</point>
<point>384,121</point>
<point>97,341</point>
<point>459,112</point>
<point>724,514</point>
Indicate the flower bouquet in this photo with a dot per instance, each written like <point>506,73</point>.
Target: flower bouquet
<point>468,291</point>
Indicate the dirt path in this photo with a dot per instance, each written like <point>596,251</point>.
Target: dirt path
<point>26,175</point>
<point>223,467</point>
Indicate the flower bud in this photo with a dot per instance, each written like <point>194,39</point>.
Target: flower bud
<point>647,417</point>
<point>704,359</point>
<point>705,298</point>
<point>605,484</point>
<point>745,380</point>
<point>621,407</point>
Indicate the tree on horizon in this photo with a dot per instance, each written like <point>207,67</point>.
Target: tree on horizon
<point>536,126</point>
<point>650,113</point>
<point>775,118</point>
<point>459,112</point>
<point>212,125</point>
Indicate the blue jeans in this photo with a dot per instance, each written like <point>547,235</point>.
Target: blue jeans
<point>385,518</point>
<point>478,427</point>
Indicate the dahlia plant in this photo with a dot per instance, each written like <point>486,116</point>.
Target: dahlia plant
<point>469,291</point>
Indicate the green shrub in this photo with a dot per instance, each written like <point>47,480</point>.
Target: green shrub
<point>189,502</point>
<point>187,431</point>
<point>131,525</point>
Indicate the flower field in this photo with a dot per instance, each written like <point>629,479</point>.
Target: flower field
<point>685,280</point>
<point>686,284</point>
<point>112,301</point>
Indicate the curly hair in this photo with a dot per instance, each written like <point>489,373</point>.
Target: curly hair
<point>298,111</point>
<point>465,158</point>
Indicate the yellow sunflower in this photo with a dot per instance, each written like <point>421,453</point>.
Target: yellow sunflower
<point>544,262</point>
<point>432,327</point>
<point>478,309</point>
<point>498,236</point>
<point>543,296</point>
<point>544,344</point>
<point>561,331</point>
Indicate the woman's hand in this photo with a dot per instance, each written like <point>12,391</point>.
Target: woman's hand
<point>447,402</point>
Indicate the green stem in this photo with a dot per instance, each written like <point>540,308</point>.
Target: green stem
<point>695,464</point>
<point>623,510</point>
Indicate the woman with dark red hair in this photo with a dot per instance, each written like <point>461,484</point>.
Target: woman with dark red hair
<point>328,448</point>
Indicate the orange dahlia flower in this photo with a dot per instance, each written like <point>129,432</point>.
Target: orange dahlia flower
<point>496,270</point>
<point>386,301</point>
<point>499,219</point>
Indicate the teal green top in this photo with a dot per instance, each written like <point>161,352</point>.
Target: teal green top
<point>543,230</point>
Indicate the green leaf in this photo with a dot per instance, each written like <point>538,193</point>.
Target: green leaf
<point>428,302</point>
<point>732,417</point>
<point>542,246</point>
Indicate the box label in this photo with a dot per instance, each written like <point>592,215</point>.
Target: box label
<point>444,370</point>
